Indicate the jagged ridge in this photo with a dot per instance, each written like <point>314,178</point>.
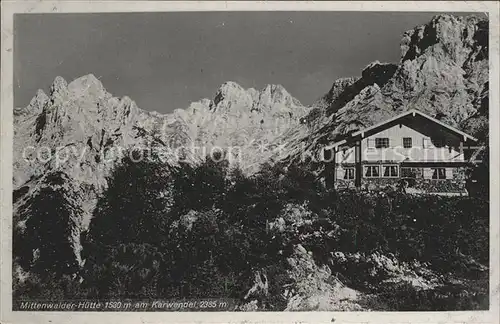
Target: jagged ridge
<point>443,72</point>
<point>68,132</point>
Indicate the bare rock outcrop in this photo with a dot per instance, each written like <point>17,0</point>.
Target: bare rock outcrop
<point>80,131</point>
<point>443,71</point>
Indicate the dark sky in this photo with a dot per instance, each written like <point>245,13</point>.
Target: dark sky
<point>165,61</point>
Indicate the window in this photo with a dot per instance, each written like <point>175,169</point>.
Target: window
<point>381,142</point>
<point>349,173</point>
<point>345,153</point>
<point>371,143</point>
<point>407,142</point>
<point>390,171</point>
<point>411,173</point>
<point>426,143</point>
<point>327,155</point>
<point>372,171</point>
<point>438,173</point>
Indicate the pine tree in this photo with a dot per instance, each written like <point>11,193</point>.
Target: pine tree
<point>129,223</point>
<point>134,207</point>
<point>45,245</point>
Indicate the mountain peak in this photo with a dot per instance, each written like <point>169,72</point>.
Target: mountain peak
<point>275,88</point>
<point>277,94</point>
<point>443,18</point>
<point>38,100</point>
<point>85,82</point>
<point>40,94</point>
<point>445,36</point>
<point>35,106</point>
<point>230,85</point>
<point>58,85</point>
<point>229,91</point>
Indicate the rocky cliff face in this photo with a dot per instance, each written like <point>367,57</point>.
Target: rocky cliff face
<point>242,120</point>
<point>78,130</point>
<point>443,72</point>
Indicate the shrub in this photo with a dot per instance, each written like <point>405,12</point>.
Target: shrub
<point>50,287</point>
<point>405,297</point>
<point>204,230</point>
<point>44,246</point>
<point>124,270</point>
<point>432,229</point>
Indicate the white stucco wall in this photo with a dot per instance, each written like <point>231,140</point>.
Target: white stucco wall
<point>396,152</point>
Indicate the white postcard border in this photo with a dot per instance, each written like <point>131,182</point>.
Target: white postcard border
<point>6,145</point>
